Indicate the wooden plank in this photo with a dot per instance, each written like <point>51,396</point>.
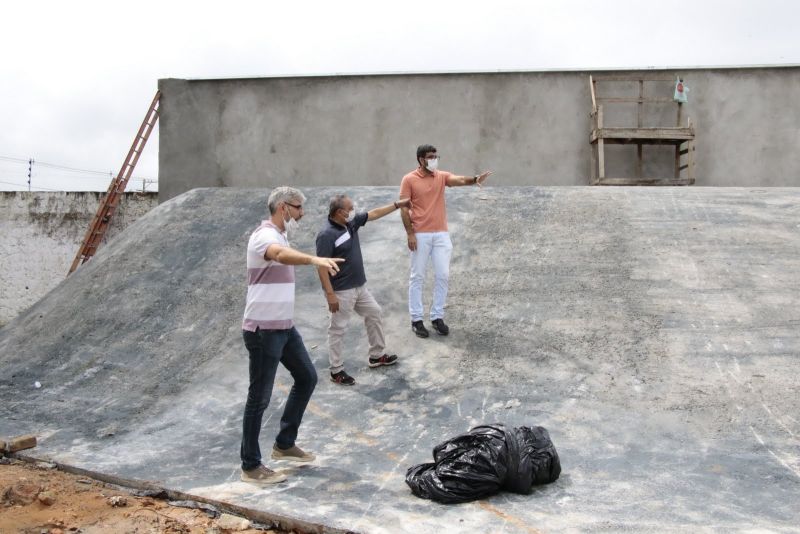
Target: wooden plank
<point>592,91</point>
<point>634,77</point>
<point>639,112</point>
<point>632,99</point>
<point>645,181</point>
<point>20,443</point>
<point>675,134</point>
<point>690,162</point>
<point>646,130</point>
<point>636,141</point>
<point>648,142</point>
<point>601,158</point>
<point>640,105</point>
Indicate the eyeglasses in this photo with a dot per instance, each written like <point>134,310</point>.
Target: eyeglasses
<point>295,207</point>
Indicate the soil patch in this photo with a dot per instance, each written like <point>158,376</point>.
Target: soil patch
<point>39,498</point>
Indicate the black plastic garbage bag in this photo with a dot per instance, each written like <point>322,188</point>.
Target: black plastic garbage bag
<point>485,460</point>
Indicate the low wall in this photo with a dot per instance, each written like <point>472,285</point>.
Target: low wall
<point>40,233</point>
<point>530,128</point>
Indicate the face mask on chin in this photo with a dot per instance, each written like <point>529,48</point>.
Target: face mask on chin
<point>432,164</point>
<point>290,225</point>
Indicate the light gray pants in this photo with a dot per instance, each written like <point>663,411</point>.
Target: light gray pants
<point>360,300</point>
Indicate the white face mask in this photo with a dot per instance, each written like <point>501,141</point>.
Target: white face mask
<point>351,215</point>
<point>290,225</point>
<point>432,164</point>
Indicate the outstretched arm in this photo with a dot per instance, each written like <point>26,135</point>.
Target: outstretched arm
<point>290,256</point>
<point>377,213</point>
<point>478,179</point>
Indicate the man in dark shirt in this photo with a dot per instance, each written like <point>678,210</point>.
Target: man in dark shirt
<point>347,290</point>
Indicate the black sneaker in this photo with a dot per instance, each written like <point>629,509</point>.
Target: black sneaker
<point>386,359</point>
<point>419,329</point>
<point>343,378</point>
<point>441,328</point>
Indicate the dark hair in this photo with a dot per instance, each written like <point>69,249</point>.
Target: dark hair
<point>424,149</point>
<point>337,203</point>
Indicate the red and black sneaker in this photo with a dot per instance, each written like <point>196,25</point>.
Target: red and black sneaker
<point>343,378</point>
<point>386,359</point>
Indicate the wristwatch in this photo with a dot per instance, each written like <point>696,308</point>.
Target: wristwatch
<point>476,179</point>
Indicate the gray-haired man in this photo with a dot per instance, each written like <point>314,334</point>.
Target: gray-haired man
<point>270,336</point>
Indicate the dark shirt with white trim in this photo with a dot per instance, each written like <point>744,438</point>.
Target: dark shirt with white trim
<point>337,241</point>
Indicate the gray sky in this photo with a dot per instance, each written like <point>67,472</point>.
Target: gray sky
<point>77,77</point>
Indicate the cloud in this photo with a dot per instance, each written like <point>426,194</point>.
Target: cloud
<point>77,77</point>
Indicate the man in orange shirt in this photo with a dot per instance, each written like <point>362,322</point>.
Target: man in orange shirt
<point>426,226</point>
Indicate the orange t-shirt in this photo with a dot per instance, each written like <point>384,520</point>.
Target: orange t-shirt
<point>426,192</point>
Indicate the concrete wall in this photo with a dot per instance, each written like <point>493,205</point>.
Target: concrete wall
<point>531,128</point>
<point>40,233</point>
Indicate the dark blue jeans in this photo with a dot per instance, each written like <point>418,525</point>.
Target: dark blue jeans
<point>267,348</point>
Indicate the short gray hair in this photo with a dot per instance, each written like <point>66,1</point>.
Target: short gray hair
<point>337,203</point>
<point>284,194</point>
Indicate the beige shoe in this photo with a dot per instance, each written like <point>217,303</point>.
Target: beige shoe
<point>262,475</point>
<point>293,454</point>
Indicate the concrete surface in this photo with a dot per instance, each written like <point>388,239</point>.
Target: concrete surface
<point>531,128</point>
<point>41,232</point>
<point>653,331</point>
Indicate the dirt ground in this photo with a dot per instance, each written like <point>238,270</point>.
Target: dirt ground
<point>39,498</point>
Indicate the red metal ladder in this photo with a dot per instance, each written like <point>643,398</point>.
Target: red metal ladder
<point>108,205</point>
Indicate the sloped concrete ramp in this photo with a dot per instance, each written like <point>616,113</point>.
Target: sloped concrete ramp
<point>654,332</point>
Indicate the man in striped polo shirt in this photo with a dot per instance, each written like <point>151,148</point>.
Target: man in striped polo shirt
<point>271,338</point>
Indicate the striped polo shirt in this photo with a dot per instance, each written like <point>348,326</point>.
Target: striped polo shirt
<point>270,285</point>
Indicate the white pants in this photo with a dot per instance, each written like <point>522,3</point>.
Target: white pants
<point>437,247</point>
<point>364,304</point>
